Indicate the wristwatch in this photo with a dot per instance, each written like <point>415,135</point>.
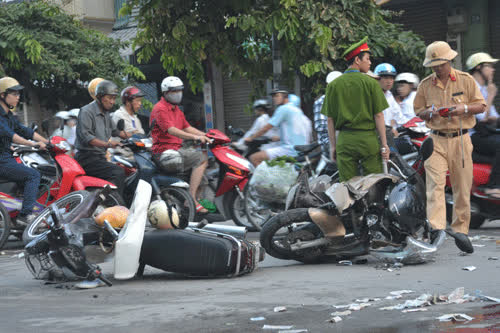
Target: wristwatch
<point>466,109</point>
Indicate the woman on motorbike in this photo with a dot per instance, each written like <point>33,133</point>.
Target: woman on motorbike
<point>263,111</point>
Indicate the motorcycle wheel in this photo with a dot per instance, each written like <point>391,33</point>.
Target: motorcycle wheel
<point>256,214</point>
<point>4,226</point>
<point>236,206</point>
<point>182,200</point>
<point>276,241</point>
<point>68,203</point>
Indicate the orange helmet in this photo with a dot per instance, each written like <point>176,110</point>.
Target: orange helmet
<point>93,85</point>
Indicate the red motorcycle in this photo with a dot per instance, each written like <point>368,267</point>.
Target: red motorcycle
<point>63,182</point>
<point>228,181</point>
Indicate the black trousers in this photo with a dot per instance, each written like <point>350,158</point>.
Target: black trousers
<point>489,145</point>
<point>97,166</point>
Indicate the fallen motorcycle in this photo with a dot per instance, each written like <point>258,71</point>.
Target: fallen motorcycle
<point>383,214</point>
<point>60,252</point>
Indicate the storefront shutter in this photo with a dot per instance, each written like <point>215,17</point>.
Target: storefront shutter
<point>236,97</point>
<point>494,23</point>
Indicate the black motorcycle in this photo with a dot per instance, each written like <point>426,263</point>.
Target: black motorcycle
<point>383,214</point>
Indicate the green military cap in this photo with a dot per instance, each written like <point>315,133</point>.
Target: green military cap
<point>355,49</point>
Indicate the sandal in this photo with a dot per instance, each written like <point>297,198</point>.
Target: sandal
<point>200,209</point>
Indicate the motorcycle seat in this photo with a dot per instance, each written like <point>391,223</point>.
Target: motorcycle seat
<point>306,149</point>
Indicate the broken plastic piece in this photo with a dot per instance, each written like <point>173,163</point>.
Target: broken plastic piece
<point>401,292</point>
<point>456,296</point>
<point>493,258</point>
<point>257,318</point>
<point>279,309</point>
<point>455,317</point>
<point>340,313</point>
<point>294,331</point>
<point>414,310</point>
<point>469,268</point>
<point>345,263</point>
<point>335,319</point>
<point>277,327</point>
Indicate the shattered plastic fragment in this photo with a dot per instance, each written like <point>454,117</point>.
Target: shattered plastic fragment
<point>335,319</point>
<point>340,313</point>
<point>455,317</point>
<point>493,258</point>
<point>414,310</point>
<point>394,297</point>
<point>277,327</point>
<point>257,318</point>
<point>456,296</point>
<point>293,331</point>
<point>280,309</point>
<point>366,300</point>
<point>345,263</point>
<point>343,306</point>
<point>469,268</point>
<point>401,292</point>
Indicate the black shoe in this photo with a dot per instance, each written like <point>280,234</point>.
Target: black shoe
<point>462,241</point>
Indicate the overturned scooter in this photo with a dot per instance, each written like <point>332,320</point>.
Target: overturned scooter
<point>383,214</point>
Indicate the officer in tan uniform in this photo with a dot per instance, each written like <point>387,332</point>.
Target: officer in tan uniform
<point>449,88</point>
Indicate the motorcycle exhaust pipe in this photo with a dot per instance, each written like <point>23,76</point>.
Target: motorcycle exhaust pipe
<point>415,252</point>
<point>238,232</point>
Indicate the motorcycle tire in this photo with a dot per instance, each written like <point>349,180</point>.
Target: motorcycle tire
<point>269,236</point>
<point>182,200</point>
<point>68,202</point>
<point>4,226</point>
<point>237,212</point>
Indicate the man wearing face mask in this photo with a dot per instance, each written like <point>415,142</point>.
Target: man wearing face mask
<point>169,129</point>
<point>93,133</point>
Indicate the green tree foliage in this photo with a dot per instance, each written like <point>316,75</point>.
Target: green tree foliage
<point>52,54</point>
<point>236,35</point>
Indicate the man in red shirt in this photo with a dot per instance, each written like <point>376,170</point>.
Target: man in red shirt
<point>170,128</point>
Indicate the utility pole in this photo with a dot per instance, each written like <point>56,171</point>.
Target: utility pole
<point>277,68</point>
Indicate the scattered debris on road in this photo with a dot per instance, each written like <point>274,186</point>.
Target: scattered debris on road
<point>340,313</point>
<point>469,268</point>
<point>344,263</point>
<point>414,310</point>
<point>257,318</point>
<point>455,317</point>
<point>335,319</point>
<point>277,327</point>
<point>492,258</point>
<point>401,292</point>
<point>280,309</point>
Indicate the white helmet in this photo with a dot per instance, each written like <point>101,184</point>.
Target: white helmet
<point>63,115</point>
<point>161,217</point>
<point>409,78</point>
<point>171,83</point>
<point>478,59</point>
<point>74,113</point>
<point>332,76</point>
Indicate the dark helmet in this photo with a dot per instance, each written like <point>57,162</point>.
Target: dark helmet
<point>130,93</point>
<point>406,205</point>
<point>106,87</point>
<point>261,103</point>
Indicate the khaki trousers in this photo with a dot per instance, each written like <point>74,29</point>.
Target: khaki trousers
<point>447,155</point>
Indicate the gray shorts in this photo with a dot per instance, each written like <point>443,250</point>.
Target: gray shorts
<point>179,161</point>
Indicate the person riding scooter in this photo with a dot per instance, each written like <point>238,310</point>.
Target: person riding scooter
<point>169,130</point>
<point>263,111</point>
<point>93,133</point>
<point>11,130</point>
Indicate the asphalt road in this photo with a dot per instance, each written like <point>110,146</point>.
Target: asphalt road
<point>164,302</point>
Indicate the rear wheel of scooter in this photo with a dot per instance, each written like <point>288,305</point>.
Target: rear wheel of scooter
<point>279,232</point>
<point>4,226</point>
<point>182,201</point>
<point>66,204</point>
<point>237,212</point>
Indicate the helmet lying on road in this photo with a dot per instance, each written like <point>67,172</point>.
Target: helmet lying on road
<point>171,83</point>
<point>408,78</point>
<point>385,69</point>
<point>162,216</point>
<point>93,85</point>
<point>479,58</point>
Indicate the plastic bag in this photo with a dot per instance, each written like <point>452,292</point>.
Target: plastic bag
<point>272,183</point>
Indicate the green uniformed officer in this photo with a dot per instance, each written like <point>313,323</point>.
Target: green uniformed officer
<point>354,103</point>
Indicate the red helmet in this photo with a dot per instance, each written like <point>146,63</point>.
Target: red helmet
<point>130,93</point>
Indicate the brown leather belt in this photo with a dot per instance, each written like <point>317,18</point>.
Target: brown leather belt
<point>449,134</point>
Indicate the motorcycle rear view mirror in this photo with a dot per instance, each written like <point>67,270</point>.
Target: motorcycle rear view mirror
<point>45,126</point>
<point>120,125</point>
<point>427,148</point>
